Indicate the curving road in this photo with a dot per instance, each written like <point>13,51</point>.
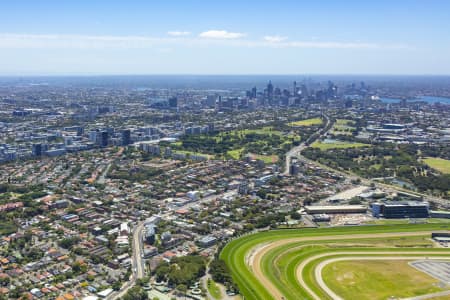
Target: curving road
<point>137,263</point>
<point>319,268</point>
<point>294,152</point>
<point>259,252</point>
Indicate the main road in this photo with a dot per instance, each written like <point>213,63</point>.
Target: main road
<point>137,263</point>
<point>294,152</point>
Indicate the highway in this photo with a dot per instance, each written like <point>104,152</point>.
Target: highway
<point>294,152</point>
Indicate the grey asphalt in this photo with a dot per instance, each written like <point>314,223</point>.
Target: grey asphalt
<point>437,269</point>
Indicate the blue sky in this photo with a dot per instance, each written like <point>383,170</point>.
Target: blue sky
<point>224,37</point>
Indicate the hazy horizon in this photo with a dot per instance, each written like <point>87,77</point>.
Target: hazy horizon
<point>48,38</point>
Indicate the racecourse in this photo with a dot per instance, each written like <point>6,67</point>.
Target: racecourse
<point>281,264</point>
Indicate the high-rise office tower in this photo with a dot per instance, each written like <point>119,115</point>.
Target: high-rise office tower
<point>37,149</point>
<point>270,90</point>
<point>126,137</point>
<point>173,102</point>
<point>103,141</point>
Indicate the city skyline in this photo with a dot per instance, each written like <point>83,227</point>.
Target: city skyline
<point>190,37</point>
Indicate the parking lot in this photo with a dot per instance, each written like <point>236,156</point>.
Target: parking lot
<point>437,269</point>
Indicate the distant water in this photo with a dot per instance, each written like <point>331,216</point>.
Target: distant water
<point>428,99</point>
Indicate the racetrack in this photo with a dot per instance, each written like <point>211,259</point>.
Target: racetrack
<point>281,264</point>
<point>257,256</point>
<point>355,256</point>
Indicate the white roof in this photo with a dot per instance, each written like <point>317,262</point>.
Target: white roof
<point>105,293</point>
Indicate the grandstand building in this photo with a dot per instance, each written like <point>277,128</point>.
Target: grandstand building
<point>400,209</point>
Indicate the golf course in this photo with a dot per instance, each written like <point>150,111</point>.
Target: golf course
<point>357,262</point>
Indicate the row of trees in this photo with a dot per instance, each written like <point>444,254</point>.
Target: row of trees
<point>387,160</point>
<point>181,270</point>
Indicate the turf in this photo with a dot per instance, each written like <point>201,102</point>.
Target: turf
<point>309,275</point>
<point>214,289</point>
<point>442,165</point>
<point>281,271</point>
<point>307,122</point>
<point>208,156</point>
<point>7,228</point>
<point>337,145</point>
<point>235,154</point>
<point>268,159</point>
<point>343,127</point>
<point>369,280</point>
<point>281,263</point>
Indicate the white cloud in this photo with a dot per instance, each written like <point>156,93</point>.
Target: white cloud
<point>207,38</point>
<point>274,38</point>
<point>221,34</point>
<point>178,33</point>
<point>331,45</point>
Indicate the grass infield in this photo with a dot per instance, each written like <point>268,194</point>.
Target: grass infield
<point>280,264</point>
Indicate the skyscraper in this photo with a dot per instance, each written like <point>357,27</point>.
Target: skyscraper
<point>103,141</point>
<point>270,90</point>
<point>254,92</point>
<point>173,102</point>
<point>37,149</point>
<point>126,137</point>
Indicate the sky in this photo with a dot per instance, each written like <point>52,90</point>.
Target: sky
<point>95,37</point>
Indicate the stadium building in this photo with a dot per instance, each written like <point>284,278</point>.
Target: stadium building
<point>400,209</point>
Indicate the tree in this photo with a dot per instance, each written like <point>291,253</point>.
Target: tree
<point>296,216</point>
<point>219,271</point>
<point>135,293</point>
<point>182,288</point>
<point>116,285</point>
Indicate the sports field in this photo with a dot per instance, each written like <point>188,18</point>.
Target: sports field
<point>440,164</point>
<point>307,122</point>
<point>289,264</point>
<point>335,144</point>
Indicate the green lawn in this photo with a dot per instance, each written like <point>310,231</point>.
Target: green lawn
<point>279,264</point>
<point>193,153</point>
<point>337,145</point>
<point>263,130</point>
<point>214,289</point>
<point>233,144</point>
<point>307,122</point>
<point>377,280</point>
<point>267,130</point>
<point>440,164</point>
<point>268,159</point>
<point>345,122</point>
<point>7,228</point>
<point>387,222</point>
<point>343,126</point>
<point>236,153</point>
